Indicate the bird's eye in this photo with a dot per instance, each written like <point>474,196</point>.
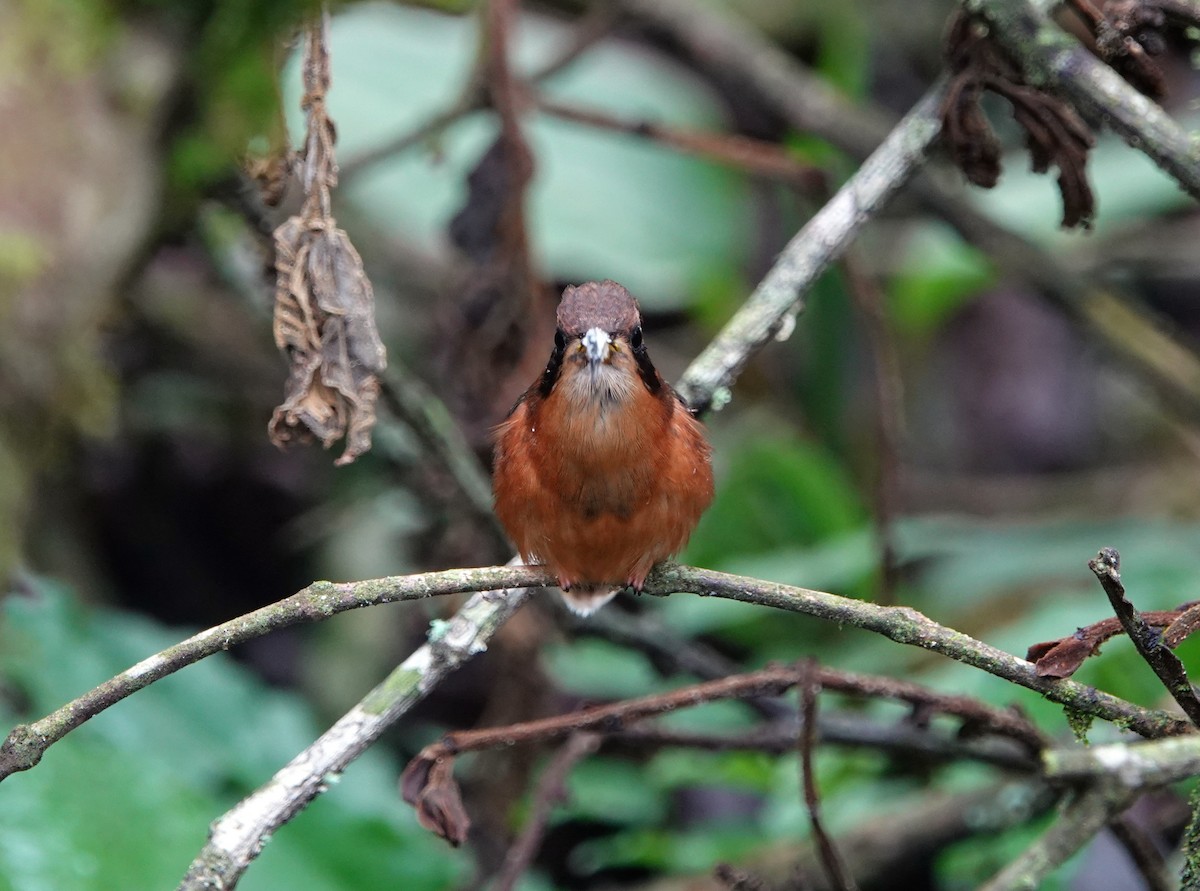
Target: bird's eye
<point>635,337</point>
<point>560,339</point>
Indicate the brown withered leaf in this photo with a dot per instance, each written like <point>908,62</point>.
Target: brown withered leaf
<point>324,305</point>
<point>270,174</point>
<point>325,321</point>
<point>1062,658</point>
<point>1055,134</point>
<point>428,785</point>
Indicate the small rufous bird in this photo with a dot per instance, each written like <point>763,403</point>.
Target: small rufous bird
<point>600,470</point>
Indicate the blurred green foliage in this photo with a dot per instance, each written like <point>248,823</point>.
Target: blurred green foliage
<point>126,800</point>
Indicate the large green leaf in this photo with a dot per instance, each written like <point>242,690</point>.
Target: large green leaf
<point>125,801</point>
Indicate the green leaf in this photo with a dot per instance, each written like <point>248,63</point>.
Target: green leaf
<point>599,669</point>
<point>125,801</point>
<point>612,790</point>
<point>938,273</point>
<point>776,493</point>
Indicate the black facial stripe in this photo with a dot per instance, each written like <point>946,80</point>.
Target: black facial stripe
<point>646,369</point>
<point>554,366</point>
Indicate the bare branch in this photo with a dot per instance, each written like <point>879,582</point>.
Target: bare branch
<point>550,790</point>
<point>237,837</point>
<point>1149,643</point>
<point>908,626</point>
<point>1146,857</point>
<point>27,743</point>
<point>1136,766</point>
<point>772,308</point>
<point>754,156</point>
<point>725,44</point>
<point>1079,822</point>
<point>836,874</point>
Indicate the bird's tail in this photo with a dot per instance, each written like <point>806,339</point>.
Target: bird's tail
<point>583,600</point>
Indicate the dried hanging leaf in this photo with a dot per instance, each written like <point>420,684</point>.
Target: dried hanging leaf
<point>428,785</point>
<point>1128,33</point>
<point>325,320</point>
<point>1055,134</point>
<point>324,305</point>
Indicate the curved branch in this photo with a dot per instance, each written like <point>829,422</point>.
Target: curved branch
<point>27,742</point>
<point>908,626</point>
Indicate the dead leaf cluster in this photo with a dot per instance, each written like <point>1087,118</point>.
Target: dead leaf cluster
<point>1054,132</point>
<point>324,304</point>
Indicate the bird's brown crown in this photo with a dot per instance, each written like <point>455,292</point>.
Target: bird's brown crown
<point>605,305</point>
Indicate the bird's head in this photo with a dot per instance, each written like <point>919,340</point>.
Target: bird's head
<point>599,354</point>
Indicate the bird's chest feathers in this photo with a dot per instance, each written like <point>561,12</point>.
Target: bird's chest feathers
<point>601,438</point>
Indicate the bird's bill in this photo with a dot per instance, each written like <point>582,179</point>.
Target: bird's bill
<point>597,344</point>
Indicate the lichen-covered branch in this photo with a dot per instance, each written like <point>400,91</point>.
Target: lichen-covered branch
<point>908,626</point>
<point>772,309</point>
<point>1133,765</point>
<point>237,837</point>
<point>720,42</point>
<point>1149,644</point>
<point>27,743</point>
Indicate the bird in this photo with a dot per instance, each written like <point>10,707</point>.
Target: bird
<point>600,470</point>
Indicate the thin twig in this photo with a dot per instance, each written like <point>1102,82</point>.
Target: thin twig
<point>550,791</point>
<point>772,308</point>
<point>411,400</point>
<point>868,299</point>
<point>727,47</point>
<point>1081,820</point>
<point>832,863</point>
<point>898,738</point>
<point>766,682</point>
<point>1136,766</point>
<point>1145,855</point>
<point>1150,646</point>
<point>908,626</point>
<point>593,27</point>
<point>753,156</point>
<point>27,743</point>
<point>670,653</point>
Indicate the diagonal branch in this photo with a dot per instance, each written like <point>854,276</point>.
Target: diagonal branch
<point>237,837</point>
<point>771,310</point>
<point>27,743</point>
<point>832,862</point>
<point>1079,822</point>
<point>551,789</point>
<point>723,44</point>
